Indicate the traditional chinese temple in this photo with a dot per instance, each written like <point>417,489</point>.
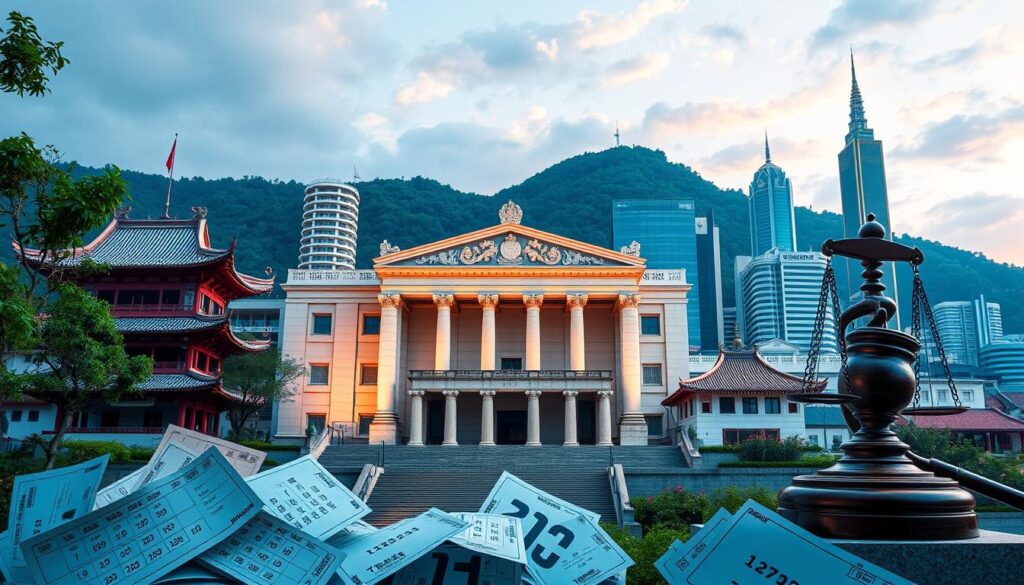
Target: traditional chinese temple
<point>168,288</point>
<point>989,428</point>
<point>740,397</point>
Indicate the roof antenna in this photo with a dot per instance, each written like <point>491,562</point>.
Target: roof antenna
<point>616,135</point>
<point>355,174</point>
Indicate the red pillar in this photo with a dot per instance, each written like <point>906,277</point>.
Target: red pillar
<point>181,413</point>
<point>988,442</point>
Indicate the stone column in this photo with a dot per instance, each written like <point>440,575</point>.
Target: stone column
<point>416,418</point>
<point>443,340</point>
<point>577,359</point>
<point>604,418</point>
<point>632,426</point>
<point>487,417</point>
<point>450,416</point>
<point>533,303</point>
<point>533,418</point>
<point>488,303</point>
<point>570,418</point>
<point>384,427</point>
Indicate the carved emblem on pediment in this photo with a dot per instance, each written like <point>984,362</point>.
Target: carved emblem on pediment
<point>538,252</point>
<point>386,248</point>
<point>510,213</point>
<point>633,249</point>
<point>511,251</point>
<point>446,258</point>
<point>573,258</point>
<point>482,252</point>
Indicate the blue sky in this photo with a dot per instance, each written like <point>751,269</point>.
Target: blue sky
<point>482,95</point>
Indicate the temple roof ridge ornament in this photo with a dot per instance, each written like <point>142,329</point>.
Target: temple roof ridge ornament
<point>633,249</point>
<point>510,213</point>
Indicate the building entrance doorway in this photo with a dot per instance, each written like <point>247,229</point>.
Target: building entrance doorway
<point>510,427</point>
<point>435,422</point>
<point>586,429</point>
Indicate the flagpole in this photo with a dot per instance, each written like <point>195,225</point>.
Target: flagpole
<point>170,180</point>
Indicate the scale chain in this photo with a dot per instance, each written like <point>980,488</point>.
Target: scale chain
<point>927,309</point>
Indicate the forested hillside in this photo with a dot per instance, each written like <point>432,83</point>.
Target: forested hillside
<point>572,198</point>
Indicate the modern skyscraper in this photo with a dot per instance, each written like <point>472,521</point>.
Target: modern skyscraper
<point>989,317</point>
<point>778,293</point>
<point>965,327</point>
<point>667,233</point>
<point>772,224</point>
<point>863,189</point>
<point>330,217</point>
<point>709,278</point>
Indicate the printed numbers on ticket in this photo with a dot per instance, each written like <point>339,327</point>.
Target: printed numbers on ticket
<point>149,532</point>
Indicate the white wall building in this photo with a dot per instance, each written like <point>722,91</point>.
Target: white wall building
<point>503,335</point>
<point>330,219</point>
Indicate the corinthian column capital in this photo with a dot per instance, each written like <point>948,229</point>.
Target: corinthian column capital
<point>533,301</point>
<point>389,300</point>
<point>487,301</point>
<point>444,300</point>
<point>629,301</point>
<point>576,300</point>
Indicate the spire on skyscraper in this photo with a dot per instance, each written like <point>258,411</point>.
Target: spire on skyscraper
<point>767,152</point>
<point>858,121</point>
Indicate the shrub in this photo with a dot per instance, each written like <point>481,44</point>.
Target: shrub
<point>765,449</point>
<point>11,465</point>
<point>77,451</point>
<point>811,461</point>
<point>732,499</point>
<point>719,449</point>
<point>141,453</point>
<point>950,447</point>
<point>644,551</point>
<point>265,446</point>
<point>675,509</point>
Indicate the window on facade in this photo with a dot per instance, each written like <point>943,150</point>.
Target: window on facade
<point>172,297</point>
<point>654,428</point>
<point>318,375</point>
<point>368,374</point>
<point>33,416</point>
<point>169,357</point>
<point>726,405</point>
<point>772,405</point>
<point>214,365</point>
<point>153,417</point>
<point>316,421</point>
<point>371,324</point>
<point>650,325</point>
<point>652,374</point>
<point>511,363</point>
<point>106,295</point>
<point>321,324</point>
<point>138,297</point>
<point>926,396</point>
<point>734,436</point>
<point>364,424</point>
<point>201,363</point>
<point>110,418</point>
<point>750,405</point>
<point>206,304</point>
<point>942,396</point>
<point>705,408</point>
<point>794,408</point>
<point>812,439</point>
<point>968,395</point>
<point>16,416</point>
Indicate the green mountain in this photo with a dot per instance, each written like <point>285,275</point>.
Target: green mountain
<point>572,198</point>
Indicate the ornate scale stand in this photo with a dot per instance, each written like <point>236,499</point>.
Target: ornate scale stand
<point>875,491</point>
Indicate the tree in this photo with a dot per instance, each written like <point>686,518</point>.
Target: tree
<point>25,57</point>
<point>81,357</point>
<point>258,379</point>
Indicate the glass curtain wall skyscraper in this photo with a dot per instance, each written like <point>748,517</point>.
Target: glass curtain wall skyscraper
<point>772,224</point>
<point>709,279</point>
<point>666,231</point>
<point>863,188</point>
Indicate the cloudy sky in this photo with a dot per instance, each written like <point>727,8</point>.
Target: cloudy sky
<point>483,94</point>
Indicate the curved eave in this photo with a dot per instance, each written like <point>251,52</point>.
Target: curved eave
<point>201,324</point>
<point>245,285</point>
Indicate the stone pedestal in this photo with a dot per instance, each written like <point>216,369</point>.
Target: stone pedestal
<point>384,429</point>
<point>632,431</point>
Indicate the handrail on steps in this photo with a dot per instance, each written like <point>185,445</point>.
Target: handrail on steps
<point>624,512</point>
<point>690,453</point>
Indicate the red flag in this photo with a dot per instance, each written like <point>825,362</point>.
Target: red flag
<point>170,157</point>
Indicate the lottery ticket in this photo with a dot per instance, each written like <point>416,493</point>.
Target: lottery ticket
<point>371,558</point>
<point>455,565</point>
<point>171,459</point>
<point>11,574</point>
<point>308,497</point>
<point>149,532</point>
<point>245,460</point>
<point>673,564</point>
<point>499,536</point>
<point>269,551</point>
<point>562,545</point>
<point>44,500</point>
<point>192,573</point>
<point>119,488</point>
<point>758,546</point>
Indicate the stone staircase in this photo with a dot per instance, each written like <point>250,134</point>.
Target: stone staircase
<point>457,479</point>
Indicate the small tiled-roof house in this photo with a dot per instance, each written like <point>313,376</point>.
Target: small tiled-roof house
<point>168,288</point>
<point>741,396</point>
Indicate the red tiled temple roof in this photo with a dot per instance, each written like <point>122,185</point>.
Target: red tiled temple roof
<point>976,419</point>
<point>742,372</point>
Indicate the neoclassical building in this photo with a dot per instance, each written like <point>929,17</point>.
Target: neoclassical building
<point>503,335</point>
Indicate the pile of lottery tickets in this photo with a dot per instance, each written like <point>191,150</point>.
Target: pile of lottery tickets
<point>201,513</point>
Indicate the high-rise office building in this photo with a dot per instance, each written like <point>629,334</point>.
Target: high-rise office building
<point>965,327</point>
<point>729,325</point>
<point>989,317</point>
<point>667,233</point>
<point>863,189</point>
<point>330,216</point>
<point>772,224</point>
<point>777,298</point>
<point>709,279</point>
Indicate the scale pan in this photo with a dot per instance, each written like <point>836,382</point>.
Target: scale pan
<point>823,398</point>
<point>934,410</point>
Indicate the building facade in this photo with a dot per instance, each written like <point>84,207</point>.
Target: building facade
<point>1005,362</point>
<point>709,282</point>
<point>777,298</point>
<point>330,220</point>
<point>503,335</point>
<point>666,230</point>
<point>990,321</point>
<point>260,319</point>
<point>863,190</point>
<point>772,223</point>
<point>964,328</point>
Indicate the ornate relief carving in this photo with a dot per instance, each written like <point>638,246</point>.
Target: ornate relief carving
<point>538,252</point>
<point>448,258</point>
<point>576,300</point>
<point>629,301</point>
<point>533,301</point>
<point>482,252</point>
<point>443,300</point>
<point>122,212</point>
<point>487,301</point>
<point>389,300</point>
<point>386,248</point>
<point>573,258</point>
<point>511,251</point>
<point>198,213</point>
<point>510,213</point>
<point>633,249</point>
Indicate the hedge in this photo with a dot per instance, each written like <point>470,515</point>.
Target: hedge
<point>265,446</point>
<point>814,462</point>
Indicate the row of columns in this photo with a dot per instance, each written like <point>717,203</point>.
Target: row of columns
<point>416,429</point>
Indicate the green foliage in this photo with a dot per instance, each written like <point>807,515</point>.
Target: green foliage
<point>25,58</point>
<point>811,461</point>
<point>78,451</point>
<point>719,449</point>
<point>265,446</point>
<point>675,509</point>
<point>645,551</point>
<point>732,498</point>
<point>258,379</point>
<point>12,465</point>
<point>766,449</point>
<point>950,447</point>
<point>141,453</point>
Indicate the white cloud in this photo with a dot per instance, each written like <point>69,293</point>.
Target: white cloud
<point>635,68</point>
<point>549,49</point>
<point>427,88</point>
<point>595,29</point>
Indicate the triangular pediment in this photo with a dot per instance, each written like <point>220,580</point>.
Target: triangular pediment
<point>508,245</point>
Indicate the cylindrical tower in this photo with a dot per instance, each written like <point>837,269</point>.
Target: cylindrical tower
<point>330,216</point>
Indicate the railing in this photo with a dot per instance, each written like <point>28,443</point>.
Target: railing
<point>125,430</point>
<point>625,515</point>
<point>159,308</point>
<point>168,366</point>
<point>318,444</point>
<point>510,374</point>
<point>367,480</point>
<point>690,453</point>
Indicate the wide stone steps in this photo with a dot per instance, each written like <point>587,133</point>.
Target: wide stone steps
<point>402,493</point>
